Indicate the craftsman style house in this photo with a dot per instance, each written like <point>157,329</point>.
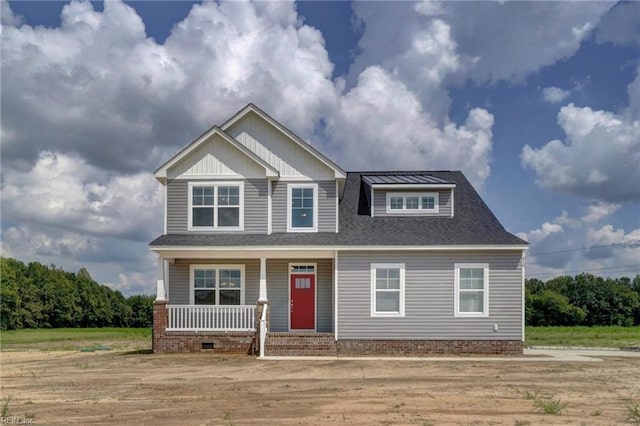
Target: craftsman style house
<point>269,247</point>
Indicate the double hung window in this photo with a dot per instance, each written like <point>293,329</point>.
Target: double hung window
<point>217,285</point>
<point>215,206</point>
<point>387,289</point>
<point>471,289</point>
<point>302,212</point>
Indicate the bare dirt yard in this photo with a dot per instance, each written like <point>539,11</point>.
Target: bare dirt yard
<point>194,389</point>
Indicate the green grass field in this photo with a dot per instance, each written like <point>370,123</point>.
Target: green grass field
<point>140,338</point>
<point>76,339</point>
<point>614,337</point>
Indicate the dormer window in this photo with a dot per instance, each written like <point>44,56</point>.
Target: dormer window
<point>412,202</point>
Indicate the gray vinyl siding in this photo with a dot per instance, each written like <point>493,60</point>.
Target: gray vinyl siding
<point>429,297</point>
<point>278,293</point>
<point>255,206</point>
<point>179,285</point>
<point>326,206</point>
<point>177,206</point>
<point>380,203</point>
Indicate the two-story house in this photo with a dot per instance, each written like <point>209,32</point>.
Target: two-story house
<point>269,245</point>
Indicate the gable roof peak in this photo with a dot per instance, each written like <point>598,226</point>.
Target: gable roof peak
<point>161,172</point>
<point>251,107</point>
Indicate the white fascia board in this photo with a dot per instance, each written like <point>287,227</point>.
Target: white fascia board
<point>161,173</point>
<point>413,185</point>
<point>497,247</point>
<point>338,172</point>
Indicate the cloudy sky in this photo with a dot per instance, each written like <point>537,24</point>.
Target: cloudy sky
<point>538,103</point>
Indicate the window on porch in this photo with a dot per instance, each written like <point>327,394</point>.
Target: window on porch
<point>217,285</point>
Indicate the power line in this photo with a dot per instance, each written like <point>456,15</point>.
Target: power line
<point>627,244</point>
<point>595,271</point>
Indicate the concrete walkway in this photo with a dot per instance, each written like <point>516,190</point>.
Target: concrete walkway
<point>530,355</point>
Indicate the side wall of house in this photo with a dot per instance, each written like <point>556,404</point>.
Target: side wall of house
<point>429,297</point>
<point>444,203</point>
<point>255,205</point>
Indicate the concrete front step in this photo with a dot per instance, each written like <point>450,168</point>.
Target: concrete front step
<point>299,344</point>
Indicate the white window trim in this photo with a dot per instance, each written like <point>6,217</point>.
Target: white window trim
<point>290,188</point>
<point>456,273</point>
<point>217,267</point>
<point>404,196</point>
<point>375,266</point>
<point>315,294</point>
<point>215,226</point>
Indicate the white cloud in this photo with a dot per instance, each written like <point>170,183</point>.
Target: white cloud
<point>554,95</point>
<point>548,247</point>
<point>599,210</point>
<point>381,122</point>
<point>489,36</point>
<point>583,245</point>
<point>599,158</point>
<point>65,192</point>
<point>609,247</point>
<point>7,17</point>
<point>99,87</point>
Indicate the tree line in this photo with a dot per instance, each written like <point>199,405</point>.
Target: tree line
<point>39,296</point>
<point>583,300</point>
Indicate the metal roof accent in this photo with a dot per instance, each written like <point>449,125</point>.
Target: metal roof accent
<point>404,179</point>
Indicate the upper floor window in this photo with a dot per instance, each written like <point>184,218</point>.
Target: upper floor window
<point>302,211</point>
<point>216,206</point>
<point>217,285</point>
<point>387,289</point>
<point>412,202</point>
<point>471,289</point>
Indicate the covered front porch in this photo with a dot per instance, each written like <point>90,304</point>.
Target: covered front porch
<point>206,294</point>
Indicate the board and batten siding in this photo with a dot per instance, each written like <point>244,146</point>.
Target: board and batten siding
<point>277,149</point>
<point>429,297</point>
<point>179,286</point>
<point>255,205</point>
<point>278,293</point>
<point>380,203</point>
<point>326,206</point>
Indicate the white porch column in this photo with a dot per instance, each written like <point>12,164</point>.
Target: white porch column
<point>263,280</point>
<point>161,294</point>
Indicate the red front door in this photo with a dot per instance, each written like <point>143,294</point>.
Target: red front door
<point>303,302</point>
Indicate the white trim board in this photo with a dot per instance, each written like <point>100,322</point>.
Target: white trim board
<point>496,247</point>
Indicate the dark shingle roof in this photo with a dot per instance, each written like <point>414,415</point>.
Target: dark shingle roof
<point>473,223</point>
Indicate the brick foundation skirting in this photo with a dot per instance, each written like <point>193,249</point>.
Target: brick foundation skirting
<point>300,344</point>
<point>427,347</point>
<point>217,342</point>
